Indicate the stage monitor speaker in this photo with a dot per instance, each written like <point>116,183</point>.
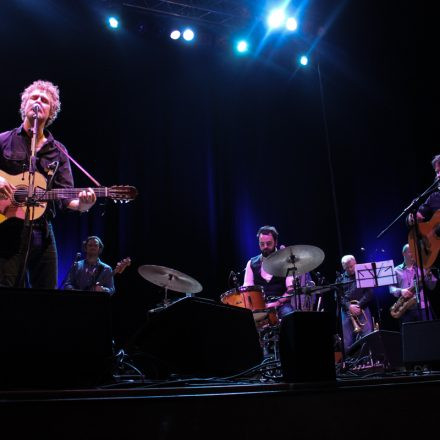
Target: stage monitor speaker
<point>420,341</point>
<point>306,347</point>
<point>53,338</point>
<point>196,337</point>
<point>380,349</point>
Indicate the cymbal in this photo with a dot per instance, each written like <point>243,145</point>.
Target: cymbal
<point>293,260</point>
<point>169,279</point>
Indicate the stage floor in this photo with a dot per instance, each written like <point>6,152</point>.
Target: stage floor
<point>377,406</point>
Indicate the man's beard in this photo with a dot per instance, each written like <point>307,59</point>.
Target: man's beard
<point>267,252</point>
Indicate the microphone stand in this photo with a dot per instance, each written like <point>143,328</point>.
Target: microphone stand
<point>30,203</point>
<point>339,294</point>
<point>74,263</point>
<point>412,209</point>
<point>414,205</point>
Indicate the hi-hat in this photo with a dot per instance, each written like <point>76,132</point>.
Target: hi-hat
<point>293,260</point>
<point>169,279</point>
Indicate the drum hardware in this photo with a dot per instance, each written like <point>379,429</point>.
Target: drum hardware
<point>169,279</point>
<point>294,260</point>
<point>233,279</point>
<point>271,367</point>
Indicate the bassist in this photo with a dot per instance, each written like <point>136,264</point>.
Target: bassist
<point>91,273</point>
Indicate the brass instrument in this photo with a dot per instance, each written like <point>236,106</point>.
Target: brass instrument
<point>402,305</point>
<point>355,320</point>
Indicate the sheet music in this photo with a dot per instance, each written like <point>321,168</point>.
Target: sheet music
<point>375,274</point>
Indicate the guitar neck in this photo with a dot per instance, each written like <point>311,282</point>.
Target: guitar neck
<point>68,193</point>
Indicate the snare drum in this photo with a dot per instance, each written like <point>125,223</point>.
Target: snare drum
<point>266,318</point>
<point>249,297</point>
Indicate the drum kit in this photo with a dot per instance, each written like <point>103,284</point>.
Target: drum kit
<point>292,260</point>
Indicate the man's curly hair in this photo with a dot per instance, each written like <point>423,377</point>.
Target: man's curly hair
<point>48,87</point>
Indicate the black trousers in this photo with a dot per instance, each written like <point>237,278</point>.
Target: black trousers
<point>40,269</point>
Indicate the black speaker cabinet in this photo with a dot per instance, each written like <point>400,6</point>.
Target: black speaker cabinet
<point>196,337</point>
<point>420,341</point>
<point>54,338</point>
<point>306,347</point>
<point>382,348</point>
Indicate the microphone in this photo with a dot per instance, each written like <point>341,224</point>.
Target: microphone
<point>52,167</point>
<point>77,257</point>
<point>36,108</point>
<point>233,277</point>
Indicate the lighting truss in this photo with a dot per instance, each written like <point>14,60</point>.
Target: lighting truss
<point>227,13</point>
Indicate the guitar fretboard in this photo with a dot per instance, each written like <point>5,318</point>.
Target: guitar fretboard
<point>61,193</point>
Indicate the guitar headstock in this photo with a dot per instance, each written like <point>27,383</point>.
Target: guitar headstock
<point>122,265</point>
<point>122,193</point>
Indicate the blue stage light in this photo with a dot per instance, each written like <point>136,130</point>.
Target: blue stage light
<point>113,22</point>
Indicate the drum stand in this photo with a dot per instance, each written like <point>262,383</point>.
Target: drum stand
<point>269,340</point>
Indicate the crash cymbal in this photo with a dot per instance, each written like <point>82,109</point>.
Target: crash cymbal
<point>293,260</point>
<point>169,279</point>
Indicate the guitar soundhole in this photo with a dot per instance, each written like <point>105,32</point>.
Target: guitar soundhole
<point>20,195</point>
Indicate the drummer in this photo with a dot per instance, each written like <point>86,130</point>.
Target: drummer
<point>277,290</point>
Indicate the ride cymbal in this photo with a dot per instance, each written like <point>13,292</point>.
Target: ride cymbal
<point>293,260</point>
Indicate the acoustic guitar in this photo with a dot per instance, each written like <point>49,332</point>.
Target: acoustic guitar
<point>429,240</point>
<point>16,206</point>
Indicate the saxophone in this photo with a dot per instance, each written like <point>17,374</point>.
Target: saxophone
<point>403,304</point>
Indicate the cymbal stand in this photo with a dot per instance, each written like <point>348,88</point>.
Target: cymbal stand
<point>296,282</point>
<point>164,304</point>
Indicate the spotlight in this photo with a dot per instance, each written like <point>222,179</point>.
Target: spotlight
<point>242,46</point>
<point>188,34</point>
<point>304,60</point>
<point>276,18</point>
<point>175,35</point>
<point>113,22</point>
<point>291,24</point>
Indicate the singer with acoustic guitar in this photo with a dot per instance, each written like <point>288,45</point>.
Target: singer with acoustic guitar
<point>31,162</point>
<point>424,237</point>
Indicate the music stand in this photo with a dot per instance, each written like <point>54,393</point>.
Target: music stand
<point>375,274</point>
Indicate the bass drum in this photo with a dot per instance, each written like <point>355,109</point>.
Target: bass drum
<point>248,297</point>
